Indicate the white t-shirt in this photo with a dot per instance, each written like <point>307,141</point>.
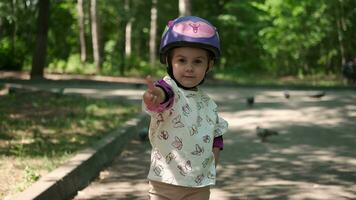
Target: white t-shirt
<point>182,139</point>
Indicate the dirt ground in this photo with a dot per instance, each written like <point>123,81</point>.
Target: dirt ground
<point>313,157</point>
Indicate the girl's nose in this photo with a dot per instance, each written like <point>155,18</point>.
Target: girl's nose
<point>189,67</point>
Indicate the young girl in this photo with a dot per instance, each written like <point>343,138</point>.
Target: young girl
<point>185,129</point>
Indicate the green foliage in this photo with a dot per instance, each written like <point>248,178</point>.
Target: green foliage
<point>63,33</point>
<point>292,33</point>
<point>278,37</point>
<point>72,65</point>
<point>31,175</point>
<point>8,61</point>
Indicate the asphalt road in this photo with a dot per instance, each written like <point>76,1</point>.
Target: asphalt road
<point>313,157</point>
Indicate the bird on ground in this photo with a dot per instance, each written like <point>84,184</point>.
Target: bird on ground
<point>250,101</point>
<point>263,133</point>
<point>286,94</point>
<point>317,95</point>
<point>59,92</point>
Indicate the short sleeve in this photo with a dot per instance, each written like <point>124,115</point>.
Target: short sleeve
<point>220,127</point>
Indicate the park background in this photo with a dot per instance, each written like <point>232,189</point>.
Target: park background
<point>262,40</point>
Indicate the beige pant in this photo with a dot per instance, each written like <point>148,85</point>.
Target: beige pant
<point>163,191</point>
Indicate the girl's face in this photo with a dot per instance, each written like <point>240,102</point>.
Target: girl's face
<point>190,65</point>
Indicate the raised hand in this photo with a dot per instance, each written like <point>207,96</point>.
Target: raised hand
<point>153,95</point>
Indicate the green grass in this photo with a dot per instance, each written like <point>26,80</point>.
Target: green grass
<point>39,131</point>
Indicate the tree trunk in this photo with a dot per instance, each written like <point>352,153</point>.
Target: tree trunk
<point>83,52</point>
<point>95,35</point>
<point>153,33</point>
<point>128,31</point>
<point>14,28</point>
<point>340,32</point>
<point>185,8</point>
<point>40,53</point>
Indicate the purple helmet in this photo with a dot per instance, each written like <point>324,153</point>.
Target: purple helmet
<point>189,31</point>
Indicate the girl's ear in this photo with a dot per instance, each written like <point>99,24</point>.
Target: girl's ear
<point>211,65</point>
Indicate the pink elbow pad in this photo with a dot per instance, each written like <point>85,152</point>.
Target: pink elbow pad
<point>218,142</point>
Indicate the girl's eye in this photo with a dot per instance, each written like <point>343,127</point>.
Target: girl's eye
<point>181,60</point>
<point>198,61</point>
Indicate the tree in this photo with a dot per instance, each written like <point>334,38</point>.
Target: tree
<point>83,53</point>
<point>40,53</point>
<point>128,31</point>
<point>185,8</point>
<point>95,34</point>
<point>153,33</point>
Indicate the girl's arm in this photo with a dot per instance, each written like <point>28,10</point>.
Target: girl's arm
<point>159,96</point>
<point>216,152</point>
<point>153,96</point>
<point>218,145</point>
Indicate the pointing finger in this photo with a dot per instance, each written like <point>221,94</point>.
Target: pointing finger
<point>150,83</point>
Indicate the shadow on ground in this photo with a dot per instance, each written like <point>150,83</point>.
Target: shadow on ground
<point>313,157</point>
<point>125,178</point>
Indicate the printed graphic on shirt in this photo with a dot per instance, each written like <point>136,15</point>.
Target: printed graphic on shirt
<point>198,150</point>
<point>177,123</point>
<point>185,168</point>
<point>177,143</point>
<point>171,156</point>
<point>159,119</point>
<point>163,135</point>
<point>186,110</point>
<point>206,162</point>
<point>158,170</point>
<point>193,130</point>
<point>206,138</point>
<point>191,95</point>
<point>200,105</point>
<point>199,179</point>
<point>209,120</point>
<point>157,155</point>
<point>220,127</point>
<point>205,99</point>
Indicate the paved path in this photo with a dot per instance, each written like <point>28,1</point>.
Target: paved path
<point>314,156</point>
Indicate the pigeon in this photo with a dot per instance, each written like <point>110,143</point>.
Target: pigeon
<point>263,133</point>
<point>317,95</point>
<point>250,101</point>
<point>286,94</point>
<point>59,92</point>
<point>143,134</point>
